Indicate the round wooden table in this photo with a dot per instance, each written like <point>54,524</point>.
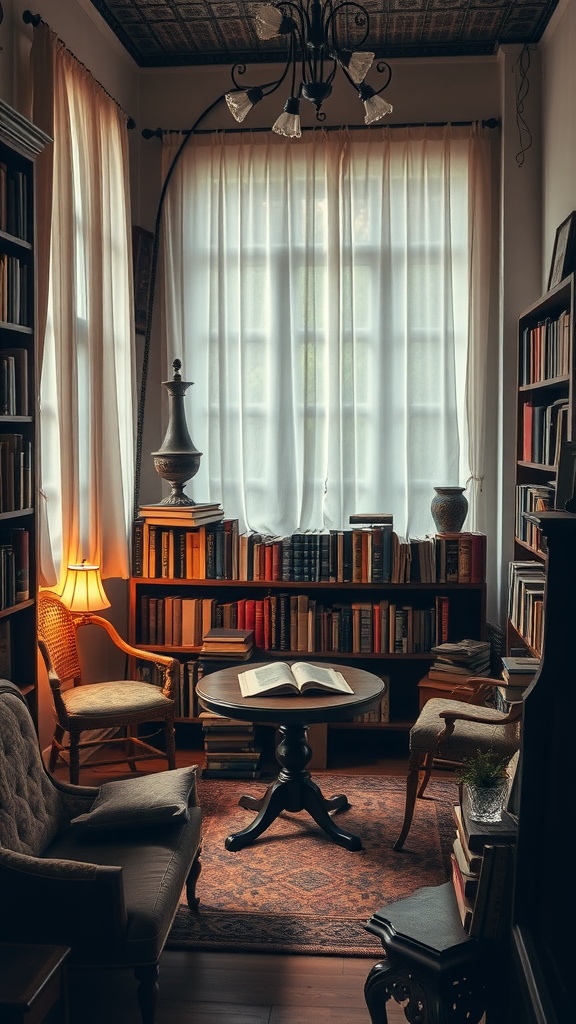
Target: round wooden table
<point>293,789</point>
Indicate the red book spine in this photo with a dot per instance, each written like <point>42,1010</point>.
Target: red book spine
<point>241,613</point>
<point>259,623</point>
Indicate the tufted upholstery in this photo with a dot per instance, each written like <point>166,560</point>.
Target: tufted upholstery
<point>111,897</point>
<point>453,730</point>
<point>429,732</point>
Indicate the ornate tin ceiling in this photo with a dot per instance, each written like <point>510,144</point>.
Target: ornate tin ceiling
<point>177,33</point>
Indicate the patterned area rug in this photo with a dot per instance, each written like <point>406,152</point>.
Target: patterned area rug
<point>293,890</point>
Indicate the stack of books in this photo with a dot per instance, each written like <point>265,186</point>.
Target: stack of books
<point>482,870</point>
<point>229,746</point>
<point>226,644</point>
<point>465,658</point>
<point>517,674</point>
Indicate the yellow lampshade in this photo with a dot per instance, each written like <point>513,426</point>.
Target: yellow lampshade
<point>83,591</point>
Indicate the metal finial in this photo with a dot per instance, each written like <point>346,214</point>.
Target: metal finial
<point>176,366</point>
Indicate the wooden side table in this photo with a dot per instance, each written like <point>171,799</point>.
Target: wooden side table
<point>432,965</point>
<point>33,984</point>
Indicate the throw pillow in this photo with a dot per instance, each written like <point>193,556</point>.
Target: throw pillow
<point>157,799</point>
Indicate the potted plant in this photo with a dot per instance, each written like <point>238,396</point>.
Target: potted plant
<point>485,777</point>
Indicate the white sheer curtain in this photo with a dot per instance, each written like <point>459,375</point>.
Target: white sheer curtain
<point>87,366</point>
<point>320,297</point>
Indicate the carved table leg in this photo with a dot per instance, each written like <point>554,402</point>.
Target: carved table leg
<point>456,999</point>
<point>293,791</point>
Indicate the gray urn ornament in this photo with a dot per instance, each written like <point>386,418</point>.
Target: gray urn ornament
<point>177,460</point>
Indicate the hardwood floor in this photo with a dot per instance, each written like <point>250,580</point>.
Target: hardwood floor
<point>239,988</point>
<point>233,988</point>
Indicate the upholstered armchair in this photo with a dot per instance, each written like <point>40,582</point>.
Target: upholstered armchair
<point>453,730</point>
<point>118,706</point>
<point>100,870</point>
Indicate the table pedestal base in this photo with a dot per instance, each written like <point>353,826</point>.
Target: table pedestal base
<point>293,791</point>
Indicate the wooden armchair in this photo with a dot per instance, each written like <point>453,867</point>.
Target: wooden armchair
<point>117,706</point>
<point>453,730</point>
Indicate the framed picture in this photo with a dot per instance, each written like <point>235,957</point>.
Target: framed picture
<point>142,248</point>
<point>564,252</point>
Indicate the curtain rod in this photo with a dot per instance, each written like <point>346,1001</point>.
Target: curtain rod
<point>35,19</point>
<point>492,122</point>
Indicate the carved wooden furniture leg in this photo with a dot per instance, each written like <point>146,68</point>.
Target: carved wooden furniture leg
<point>293,791</point>
<point>412,780</point>
<point>433,967</point>
<point>193,875</point>
<point>426,767</point>
<point>147,978</point>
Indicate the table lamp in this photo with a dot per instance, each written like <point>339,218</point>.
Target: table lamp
<point>83,591</point>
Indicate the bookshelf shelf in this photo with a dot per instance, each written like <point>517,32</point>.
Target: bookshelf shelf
<point>20,145</point>
<point>546,417</point>
<point>324,602</point>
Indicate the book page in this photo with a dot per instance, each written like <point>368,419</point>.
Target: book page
<point>305,673</point>
<point>258,680</point>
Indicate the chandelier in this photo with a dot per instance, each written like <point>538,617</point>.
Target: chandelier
<point>314,56</point>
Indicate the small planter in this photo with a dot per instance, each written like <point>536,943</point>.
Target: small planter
<point>485,803</point>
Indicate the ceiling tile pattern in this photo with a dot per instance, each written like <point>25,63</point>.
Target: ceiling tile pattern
<point>178,33</point>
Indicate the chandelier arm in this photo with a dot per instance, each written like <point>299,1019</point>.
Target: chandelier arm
<point>361,20</point>
<point>267,88</point>
<point>382,67</point>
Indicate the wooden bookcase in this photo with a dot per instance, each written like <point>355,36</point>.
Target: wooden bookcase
<point>546,415</point>
<point>20,144</point>
<point>466,618</point>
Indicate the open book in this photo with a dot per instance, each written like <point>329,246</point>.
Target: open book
<point>279,677</point>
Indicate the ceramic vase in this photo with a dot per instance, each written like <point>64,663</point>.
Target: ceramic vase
<point>449,509</point>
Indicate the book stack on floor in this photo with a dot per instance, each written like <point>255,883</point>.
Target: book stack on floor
<point>229,746</point>
<point>227,645</point>
<point>461,659</point>
<point>482,869</point>
<point>517,674</point>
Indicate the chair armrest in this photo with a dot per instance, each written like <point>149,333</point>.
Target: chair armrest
<point>513,715</point>
<point>170,665</point>
<point>65,902</point>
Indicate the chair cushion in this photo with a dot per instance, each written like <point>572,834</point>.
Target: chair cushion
<point>114,698</point>
<point>154,871</point>
<point>159,799</point>
<point>467,736</point>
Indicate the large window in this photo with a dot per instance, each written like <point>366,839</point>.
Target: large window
<point>318,294</point>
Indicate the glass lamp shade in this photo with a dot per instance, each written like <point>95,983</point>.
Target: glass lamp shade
<point>375,107</point>
<point>83,591</point>
<point>288,124</point>
<point>357,64</point>
<point>271,22</point>
<point>242,101</point>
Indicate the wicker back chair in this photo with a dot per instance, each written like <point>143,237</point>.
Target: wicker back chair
<point>117,706</point>
<point>453,730</point>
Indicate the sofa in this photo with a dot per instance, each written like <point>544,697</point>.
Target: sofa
<point>98,869</point>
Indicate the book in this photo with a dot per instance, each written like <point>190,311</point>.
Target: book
<point>300,678</point>
<point>465,904</point>
<point>371,518</point>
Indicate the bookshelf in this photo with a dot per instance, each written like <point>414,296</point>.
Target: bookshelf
<point>382,626</point>
<point>20,145</point>
<point>546,416</point>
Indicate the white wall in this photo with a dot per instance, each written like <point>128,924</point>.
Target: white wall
<point>558,125</point>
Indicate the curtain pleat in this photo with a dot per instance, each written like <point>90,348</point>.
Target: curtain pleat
<point>87,345</point>
<point>329,299</point>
